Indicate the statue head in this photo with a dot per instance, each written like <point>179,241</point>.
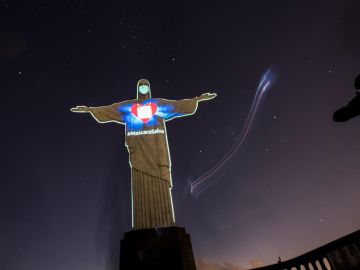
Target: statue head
<point>143,89</point>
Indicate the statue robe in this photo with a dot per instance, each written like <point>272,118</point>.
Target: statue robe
<point>149,157</point>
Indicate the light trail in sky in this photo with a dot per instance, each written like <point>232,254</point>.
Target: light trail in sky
<point>200,184</point>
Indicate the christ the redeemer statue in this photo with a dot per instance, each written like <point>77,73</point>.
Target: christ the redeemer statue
<point>146,140</point>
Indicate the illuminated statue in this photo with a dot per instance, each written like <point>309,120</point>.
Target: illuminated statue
<point>146,140</point>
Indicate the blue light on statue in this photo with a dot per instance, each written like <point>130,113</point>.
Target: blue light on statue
<point>149,113</point>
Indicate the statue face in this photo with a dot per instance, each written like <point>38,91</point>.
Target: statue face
<point>144,89</point>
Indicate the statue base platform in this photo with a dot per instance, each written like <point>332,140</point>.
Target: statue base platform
<point>157,249</point>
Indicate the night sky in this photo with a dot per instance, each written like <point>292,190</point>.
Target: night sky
<point>65,179</point>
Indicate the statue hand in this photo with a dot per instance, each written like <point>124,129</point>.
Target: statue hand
<point>80,109</point>
<point>207,96</point>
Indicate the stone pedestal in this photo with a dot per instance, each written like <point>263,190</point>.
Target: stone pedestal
<point>157,249</point>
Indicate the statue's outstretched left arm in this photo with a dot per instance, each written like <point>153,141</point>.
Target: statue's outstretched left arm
<point>189,106</point>
<point>185,107</point>
<point>206,96</point>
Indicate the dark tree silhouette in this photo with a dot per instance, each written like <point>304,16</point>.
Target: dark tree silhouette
<point>352,109</point>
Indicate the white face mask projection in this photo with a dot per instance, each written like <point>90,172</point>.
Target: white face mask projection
<point>146,140</point>
<point>144,89</point>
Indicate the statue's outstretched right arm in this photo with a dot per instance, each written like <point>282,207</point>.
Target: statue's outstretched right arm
<point>102,114</point>
<point>80,109</point>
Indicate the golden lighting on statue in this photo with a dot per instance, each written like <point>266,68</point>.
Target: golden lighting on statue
<point>146,140</point>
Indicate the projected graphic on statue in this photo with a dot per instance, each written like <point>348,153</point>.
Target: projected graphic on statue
<point>146,140</point>
<point>144,112</point>
<point>149,113</point>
